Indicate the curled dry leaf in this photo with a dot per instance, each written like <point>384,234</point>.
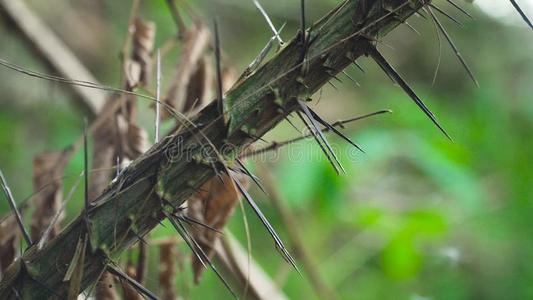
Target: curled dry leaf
<point>132,70</point>
<point>191,64</point>
<point>213,205</point>
<point>143,46</point>
<point>9,240</point>
<point>48,168</point>
<point>167,269</point>
<point>138,68</point>
<point>133,139</point>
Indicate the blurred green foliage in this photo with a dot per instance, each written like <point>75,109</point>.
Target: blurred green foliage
<point>416,217</point>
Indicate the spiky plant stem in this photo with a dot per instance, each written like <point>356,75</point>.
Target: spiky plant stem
<point>173,169</point>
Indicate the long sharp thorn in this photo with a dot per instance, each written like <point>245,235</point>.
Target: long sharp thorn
<point>206,258</point>
<point>458,7</point>
<point>336,78</point>
<point>317,138</point>
<point>194,245</point>
<point>196,222</point>
<point>243,172</point>
<point>184,235</point>
<point>268,20</point>
<point>452,44</point>
<point>304,38</point>
<point>340,123</point>
<point>292,124</point>
<point>379,112</point>
<point>522,14</point>
<point>158,97</point>
<point>421,14</point>
<point>254,178</point>
<point>14,209</point>
<point>139,237</point>
<point>332,85</point>
<point>218,70</point>
<point>447,15</point>
<point>387,68</point>
<point>211,265</point>
<point>86,174</point>
<point>117,170</point>
<point>302,21</point>
<point>351,78</point>
<point>412,28</point>
<point>319,142</point>
<point>264,220</point>
<point>359,66</point>
<point>315,127</point>
<point>330,127</point>
<point>132,282</point>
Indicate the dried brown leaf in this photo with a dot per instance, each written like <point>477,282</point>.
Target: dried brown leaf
<point>167,269</point>
<point>143,46</point>
<point>142,263</point>
<point>133,72</point>
<point>48,168</point>
<point>134,139</point>
<point>138,66</point>
<point>199,90</point>
<point>104,154</point>
<point>213,205</point>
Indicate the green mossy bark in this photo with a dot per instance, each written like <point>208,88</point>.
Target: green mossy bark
<point>164,177</point>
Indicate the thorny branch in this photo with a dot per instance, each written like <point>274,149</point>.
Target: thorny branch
<point>159,181</point>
